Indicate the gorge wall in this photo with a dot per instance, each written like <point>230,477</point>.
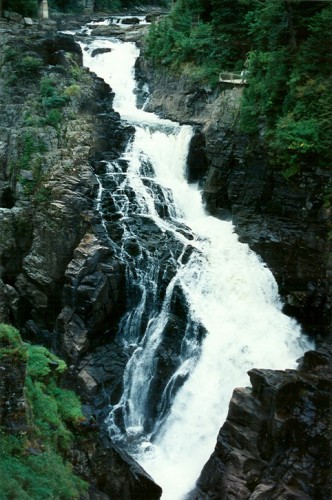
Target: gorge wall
<point>63,281</point>
<point>273,442</point>
<point>60,283</point>
<point>283,220</point>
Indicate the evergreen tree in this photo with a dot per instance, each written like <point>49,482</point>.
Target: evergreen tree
<point>27,8</point>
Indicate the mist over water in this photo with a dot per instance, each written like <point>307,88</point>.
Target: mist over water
<point>229,293</point>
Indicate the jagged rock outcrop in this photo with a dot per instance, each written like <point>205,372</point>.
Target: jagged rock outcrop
<point>61,277</point>
<point>112,473</point>
<point>276,441</point>
<point>284,220</point>
<point>52,187</point>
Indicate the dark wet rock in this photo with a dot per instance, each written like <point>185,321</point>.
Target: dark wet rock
<point>283,220</point>
<point>97,464</point>
<point>197,163</point>
<point>130,20</point>
<point>100,375</point>
<point>109,30</point>
<point>275,442</point>
<point>100,50</point>
<point>93,296</point>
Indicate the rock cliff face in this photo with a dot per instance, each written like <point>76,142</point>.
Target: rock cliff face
<point>62,277</point>
<point>275,442</point>
<point>61,281</point>
<point>283,220</point>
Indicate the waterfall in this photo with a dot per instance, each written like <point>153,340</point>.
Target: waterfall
<point>202,309</point>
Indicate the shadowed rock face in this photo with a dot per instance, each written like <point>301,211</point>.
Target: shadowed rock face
<point>275,442</point>
<point>61,277</point>
<point>283,220</point>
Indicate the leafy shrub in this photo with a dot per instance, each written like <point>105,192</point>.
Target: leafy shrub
<point>47,87</point>
<point>53,118</point>
<point>29,65</point>
<point>10,54</point>
<point>55,101</point>
<point>40,476</point>
<point>294,139</point>
<point>72,91</point>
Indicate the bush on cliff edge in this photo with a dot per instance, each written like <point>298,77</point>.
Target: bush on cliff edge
<point>34,464</point>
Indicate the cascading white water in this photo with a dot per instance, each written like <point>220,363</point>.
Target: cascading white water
<point>228,289</point>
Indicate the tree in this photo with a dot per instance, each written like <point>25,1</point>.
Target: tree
<point>28,8</point>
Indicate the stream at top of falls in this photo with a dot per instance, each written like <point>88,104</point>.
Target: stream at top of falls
<point>233,318</point>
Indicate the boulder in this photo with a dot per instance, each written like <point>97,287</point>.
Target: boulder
<point>130,20</point>
<point>100,50</point>
<point>108,30</point>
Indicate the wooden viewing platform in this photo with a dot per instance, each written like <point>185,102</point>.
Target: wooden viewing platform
<point>235,78</point>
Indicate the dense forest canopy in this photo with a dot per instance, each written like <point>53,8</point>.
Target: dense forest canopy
<point>285,48</point>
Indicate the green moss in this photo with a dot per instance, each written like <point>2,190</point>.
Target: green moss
<point>40,361</point>
<point>11,343</point>
<point>35,465</point>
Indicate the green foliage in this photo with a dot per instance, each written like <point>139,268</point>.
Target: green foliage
<point>47,87</point>
<point>28,8</point>
<point>28,66</point>
<point>55,101</point>
<point>290,82</point>
<point>31,146</point>
<point>40,362</point>
<point>53,118</point>
<point>283,45</point>
<point>43,195</point>
<point>52,407</point>
<point>113,5</point>
<point>31,159</point>
<point>293,140</point>
<point>11,343</point>
<point>40,476</point>
<point>72,90</point>
<point>208,35</point>
<point>107,4</point>
<point>34,465</point>
<point>66,5</point>
<point>10,54</point>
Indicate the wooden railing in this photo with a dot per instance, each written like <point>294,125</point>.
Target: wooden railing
<point>236,78</point>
